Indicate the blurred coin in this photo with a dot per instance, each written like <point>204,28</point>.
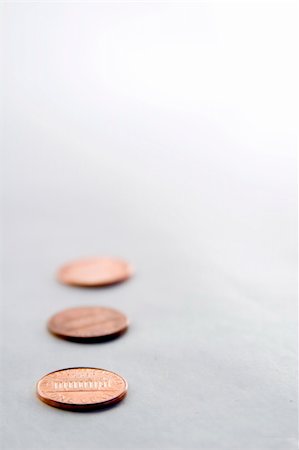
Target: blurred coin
<point>95,272</point>
<point>88,324</point>
<point>81,388</point>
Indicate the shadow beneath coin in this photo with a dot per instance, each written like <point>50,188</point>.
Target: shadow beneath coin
<point>95,410</point>
<point>93,340</point>
<point>98,410</point>
<point>101,287</point>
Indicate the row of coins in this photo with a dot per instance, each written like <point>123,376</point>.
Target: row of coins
<point>85,388</point>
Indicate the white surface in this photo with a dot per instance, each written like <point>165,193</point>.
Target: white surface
<point>165,134</point>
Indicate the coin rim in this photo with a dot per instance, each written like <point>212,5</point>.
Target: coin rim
<point>103,338</point>
<point>84,406</point>
<point>128,275</point>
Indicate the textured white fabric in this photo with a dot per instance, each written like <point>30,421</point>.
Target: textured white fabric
<point>164,134</point>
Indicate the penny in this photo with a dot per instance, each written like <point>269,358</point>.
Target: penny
<point>88,324</point>
<point>81,388</point>
<point>95,272</point>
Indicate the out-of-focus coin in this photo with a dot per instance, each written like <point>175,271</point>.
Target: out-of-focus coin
<point>88,324</point>
<point>81,388</point>
<point>95,272</point>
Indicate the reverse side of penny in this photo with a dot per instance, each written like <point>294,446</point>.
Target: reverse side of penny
<point>88,324</point>
<point>95,272</point>
<point>81,388</point>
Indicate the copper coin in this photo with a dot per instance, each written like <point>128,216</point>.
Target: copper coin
<point>95,272</point>
<point>81,388</point>
<point>88,324</point>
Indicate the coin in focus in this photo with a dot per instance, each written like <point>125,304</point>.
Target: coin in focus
<point>95,272</point>
<point>88,324</point>
<point>81,388</point>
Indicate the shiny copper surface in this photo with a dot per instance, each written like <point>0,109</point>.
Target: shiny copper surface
<point>95,272</point>
<point>88,324</point>
<point>81,388</point>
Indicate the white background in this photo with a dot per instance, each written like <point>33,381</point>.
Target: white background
<point>163,133</point>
